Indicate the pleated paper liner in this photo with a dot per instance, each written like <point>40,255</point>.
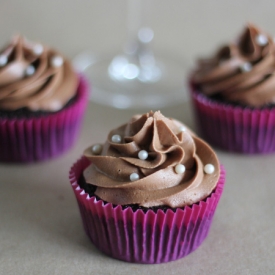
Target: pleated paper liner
<point>235,128</point>
<point>45,137</point>
<point>151,237</point>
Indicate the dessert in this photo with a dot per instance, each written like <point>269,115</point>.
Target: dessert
<point>42,102</point>
<point>149,193</point>
<point>234,94</point>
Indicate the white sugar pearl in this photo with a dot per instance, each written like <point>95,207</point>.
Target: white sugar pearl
<point>116,139</point>
<point>38,49</point>
<point>261,40</point>
<point>134,177</point>
<point>3,60</point>
<point>30,70</point>
<point>143,154</point>
<point>246,67</point>
<point>179,168</point>
<point>182,129</point>
<point>209,168</point>
<point>97,149</point>
<point>57,61</point>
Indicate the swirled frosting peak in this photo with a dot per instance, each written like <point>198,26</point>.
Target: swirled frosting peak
<point>241,72</point>
<point>152,161</point>
<point>34,76</point>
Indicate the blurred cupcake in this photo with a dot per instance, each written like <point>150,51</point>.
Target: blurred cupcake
<point>148,195</point>
<point>234,94</point>
<point>42,102</point>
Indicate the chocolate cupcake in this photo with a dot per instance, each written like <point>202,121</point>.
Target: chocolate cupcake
<point>42,102</point>
<point>234,94</point>
<point>148,195</point>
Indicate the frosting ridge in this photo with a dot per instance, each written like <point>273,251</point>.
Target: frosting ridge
<point>165,144</point>
<point>241,72</point>
<point>35,77</point>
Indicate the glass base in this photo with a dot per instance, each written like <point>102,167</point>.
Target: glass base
<point>123,93</point>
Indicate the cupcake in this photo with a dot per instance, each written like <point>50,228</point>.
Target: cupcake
<point>234,94</point>
<point>42,102</point>
<point>149,193</point>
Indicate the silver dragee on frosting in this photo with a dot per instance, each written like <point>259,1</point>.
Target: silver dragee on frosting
<point>157,161</point>
<point>241,72</point>
<point>34,76</point>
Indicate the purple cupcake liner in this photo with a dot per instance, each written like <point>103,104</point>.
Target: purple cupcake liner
<point>235,128</point>
<point>41,138</point>
<point>139,237</point>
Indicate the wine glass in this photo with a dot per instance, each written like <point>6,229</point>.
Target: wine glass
<point>136,77</point>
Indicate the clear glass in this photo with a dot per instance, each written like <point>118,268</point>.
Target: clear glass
<point>137,77</point>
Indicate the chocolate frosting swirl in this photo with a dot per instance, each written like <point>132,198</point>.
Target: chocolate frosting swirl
<point>241,72</point>
<point>35,77</point>
<point>168,143</point>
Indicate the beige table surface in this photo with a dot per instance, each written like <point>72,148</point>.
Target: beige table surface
<point>40,226</point>
<point>41,230</point>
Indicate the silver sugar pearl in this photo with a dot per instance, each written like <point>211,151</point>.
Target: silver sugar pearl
<point>3,60</point>
<point>97,149</point>
<point>143,154</point>
<point>209,168</point>
<point>30,70</point>
<point>57,61</point>
<point>182,129</point>
<point>38,49</point>
<point>134,177</point>
<point>246,67</point>
<point>261,39</point>
<point>116,139</point>
<point>179,168</point>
